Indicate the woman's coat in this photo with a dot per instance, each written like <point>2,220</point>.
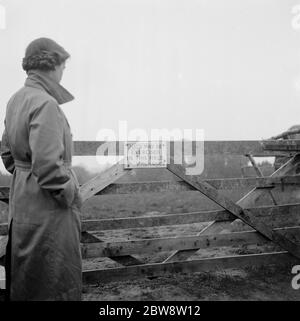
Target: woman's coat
<point>43,254</point>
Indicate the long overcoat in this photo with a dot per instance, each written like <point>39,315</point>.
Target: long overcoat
<point>43,260</point>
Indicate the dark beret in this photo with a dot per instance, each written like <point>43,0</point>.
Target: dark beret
<point>44,54</point>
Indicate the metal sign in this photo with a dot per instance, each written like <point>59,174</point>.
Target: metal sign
<point>145,154</point>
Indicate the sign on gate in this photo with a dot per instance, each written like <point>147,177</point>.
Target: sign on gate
<point>145,154</point>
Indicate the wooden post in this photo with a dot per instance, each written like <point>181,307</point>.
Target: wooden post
<point>260,174</point>
<point>98,183</point>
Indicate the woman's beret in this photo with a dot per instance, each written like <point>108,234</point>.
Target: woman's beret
<point>44,54</point>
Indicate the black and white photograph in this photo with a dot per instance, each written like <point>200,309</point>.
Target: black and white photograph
<point>150,153</point>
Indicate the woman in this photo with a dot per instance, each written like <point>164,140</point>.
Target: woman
<point>43,260</point>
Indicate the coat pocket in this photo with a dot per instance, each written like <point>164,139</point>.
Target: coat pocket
<point>66,196</point>
<point>78,201</point>
<point>73,174</point>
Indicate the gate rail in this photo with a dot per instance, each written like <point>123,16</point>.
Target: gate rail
<point>275,225</point>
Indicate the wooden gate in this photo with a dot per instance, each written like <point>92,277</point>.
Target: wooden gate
<point>276,224</point>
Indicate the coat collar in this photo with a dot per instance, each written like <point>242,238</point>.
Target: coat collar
<point>40,79</point>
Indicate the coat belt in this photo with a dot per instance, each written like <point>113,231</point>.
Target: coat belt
<point>27,166</point>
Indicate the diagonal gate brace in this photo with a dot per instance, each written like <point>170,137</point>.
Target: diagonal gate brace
<point>93,187</point>
<point>236,210</point>
<point>247,200</point>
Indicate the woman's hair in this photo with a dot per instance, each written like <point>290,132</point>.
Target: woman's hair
<point>44,54</point>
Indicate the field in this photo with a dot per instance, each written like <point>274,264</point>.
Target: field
<point>272,283</point>
<point>248,284</point>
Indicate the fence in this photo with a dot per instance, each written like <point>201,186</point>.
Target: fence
<point>274,225</point>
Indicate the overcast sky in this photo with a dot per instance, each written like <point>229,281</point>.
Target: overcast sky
<point>229,67</point>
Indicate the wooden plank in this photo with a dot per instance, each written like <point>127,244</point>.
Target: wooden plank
<point>284,214</point>
<point>254,195</point>
<point>218,226</point>
<point>98,183</point>
<point>181,186</point>
<point>276,219</point>
<point>289,145</point>
<point>183,254</point>
<point>249,199</point>
<point>156,245</point>
<point>4,194</point>
<point>146,187</point>
<point>235,209</point>
<point>270,214</point>
<point>126,260</point>
<point>155,220</point>
<point>89,148</point>
<point>102,180</point>
<point>286,169</point>
<point>87,237</point>
<point>202,265</point>
<point>257,170</point>
<point>260,174</point>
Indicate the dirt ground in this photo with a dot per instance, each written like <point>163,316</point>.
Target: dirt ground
<point>268,283</point>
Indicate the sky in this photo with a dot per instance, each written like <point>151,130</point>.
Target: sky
<point>231,68</point>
